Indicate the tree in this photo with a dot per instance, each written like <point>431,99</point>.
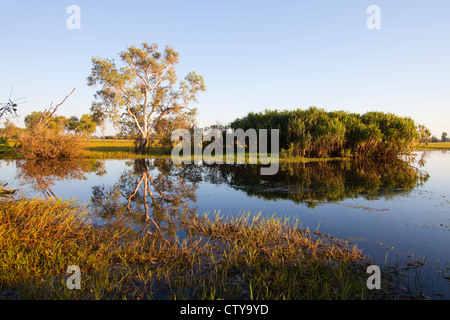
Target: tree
<point>144,90</point>
<point>72,124</point>
<point>444,136</point>
<point>58,123</point>
<point>87,125</point>
<point>99,117</point>
<point>32,119</point>
<point>424,133</point>
<point>55,123</point>
<point>84,126</point>
<point>318,133</point>
<point>10,129</point>
<point>165,127</point>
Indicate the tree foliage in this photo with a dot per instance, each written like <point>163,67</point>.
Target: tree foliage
<point>165,127</point>
<point>55,123</point>
<point>145,88</point>
<point>99,117</point>
<point>85,126</point>
<point>317,133</point>
<point>7,109</point>
<point>9,130</point>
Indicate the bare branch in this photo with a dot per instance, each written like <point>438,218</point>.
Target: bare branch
<point>47,114</point>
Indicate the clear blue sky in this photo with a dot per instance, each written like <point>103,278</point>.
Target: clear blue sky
<point>253,55</point>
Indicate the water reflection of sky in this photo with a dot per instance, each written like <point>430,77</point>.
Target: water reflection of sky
<point>417,222</point>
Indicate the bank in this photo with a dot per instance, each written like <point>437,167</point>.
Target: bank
<point>220,258</point>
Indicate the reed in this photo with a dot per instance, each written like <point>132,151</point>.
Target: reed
<point>316,133</point>
<point>242,257</point>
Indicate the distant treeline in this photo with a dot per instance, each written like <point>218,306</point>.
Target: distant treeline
<point>315,132</point>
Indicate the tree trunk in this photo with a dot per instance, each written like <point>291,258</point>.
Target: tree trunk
<point>102,129</point>
<point>142,145</point>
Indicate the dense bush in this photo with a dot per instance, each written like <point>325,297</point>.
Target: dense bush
<point>46,144</point>
<point>317,133</point>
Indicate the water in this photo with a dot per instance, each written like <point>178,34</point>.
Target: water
<point>395,212</point>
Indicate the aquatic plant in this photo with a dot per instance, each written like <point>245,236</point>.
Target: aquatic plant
<point>318,133</point>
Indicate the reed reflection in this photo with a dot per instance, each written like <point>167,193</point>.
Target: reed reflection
<point>317,182</point>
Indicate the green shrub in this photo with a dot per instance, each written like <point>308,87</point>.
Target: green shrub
<point>317,133</point>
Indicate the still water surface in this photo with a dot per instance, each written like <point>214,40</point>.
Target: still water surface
<point>395,212</point>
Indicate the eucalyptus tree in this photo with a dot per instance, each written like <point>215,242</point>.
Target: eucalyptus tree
<point>99,117</point>
<point>145,88</point>
<point>54,122</point>
<point>85,126</point>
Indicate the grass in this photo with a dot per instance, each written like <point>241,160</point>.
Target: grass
<point>269,258</point>
<point>113,149</point>
<point>434,146</point>
<point>245,257</point>
<point>124,149</point>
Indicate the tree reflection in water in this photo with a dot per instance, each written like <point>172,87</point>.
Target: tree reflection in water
<point>154,192</point>
<point>317,182</point>
<point>150,195</point>
<point>43,174</point>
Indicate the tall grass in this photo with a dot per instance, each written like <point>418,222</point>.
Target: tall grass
<point>271,258</point>
<point>40,239</point>
<point>241,258</point>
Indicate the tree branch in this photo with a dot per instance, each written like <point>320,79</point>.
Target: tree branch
<point>47,114</point>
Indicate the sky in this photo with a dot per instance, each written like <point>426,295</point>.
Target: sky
<point>253,55</point>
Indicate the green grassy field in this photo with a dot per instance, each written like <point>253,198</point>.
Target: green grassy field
<point>125,149</point>
<point>435,146</point>
<point>119,149</point>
